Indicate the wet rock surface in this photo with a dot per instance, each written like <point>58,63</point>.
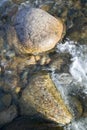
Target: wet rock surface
<point>34,31</point>
<point>42,96</point>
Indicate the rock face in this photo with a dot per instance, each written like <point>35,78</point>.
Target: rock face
<point>34,31</point>
<point>41,95</point>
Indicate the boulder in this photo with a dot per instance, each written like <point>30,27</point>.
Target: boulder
<point>34,31</point>
<point>41,96</point>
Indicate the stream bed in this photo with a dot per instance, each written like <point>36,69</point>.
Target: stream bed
<point>67,68</point>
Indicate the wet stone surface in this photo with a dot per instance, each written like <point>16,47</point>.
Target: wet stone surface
<point>42,90</point>
<point>34,31</point>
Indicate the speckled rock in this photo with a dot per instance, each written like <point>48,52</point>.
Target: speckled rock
<point>41,96</point>
<point>34,31</point>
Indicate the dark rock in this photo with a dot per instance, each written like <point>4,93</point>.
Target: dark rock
<point>27,123</point>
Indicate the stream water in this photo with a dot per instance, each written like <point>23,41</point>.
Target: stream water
<point>71,84</point>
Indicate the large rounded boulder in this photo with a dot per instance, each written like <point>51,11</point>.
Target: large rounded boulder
<point>34,31</point>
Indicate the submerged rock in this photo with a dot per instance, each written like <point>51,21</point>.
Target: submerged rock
<point>34,31</point>
<point>41,97</point>
<point>8,114</point>
<point>5,100</point>
<point>60,62</point>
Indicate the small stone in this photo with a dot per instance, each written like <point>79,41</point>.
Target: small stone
<point>45,7</point>
<point>18,1</point>
<point>10,54</point>
<point>6,99</point>
<point>8,115</point>
<point>10,81</point>
<point>37,57</point>
<point>44,60</point>
<point>34,31</point>
<point>17,90</point>
<point>41,96</point>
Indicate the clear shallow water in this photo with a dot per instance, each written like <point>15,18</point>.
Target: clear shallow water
<point>73,83</point>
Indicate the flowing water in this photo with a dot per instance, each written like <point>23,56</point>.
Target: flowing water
<point>78,68</point>
<point>75,82</point>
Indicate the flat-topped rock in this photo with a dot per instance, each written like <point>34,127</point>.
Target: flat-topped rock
<point>34,31</point>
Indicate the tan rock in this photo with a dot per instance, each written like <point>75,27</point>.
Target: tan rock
<point>41,96</point>
<point>34,31</point>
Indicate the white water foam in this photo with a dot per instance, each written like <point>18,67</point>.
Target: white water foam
<point>78,68</point>
<point>76,79</point>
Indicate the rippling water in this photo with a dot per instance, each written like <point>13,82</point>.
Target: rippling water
<point>76,80</point>
<point>78,68</point>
